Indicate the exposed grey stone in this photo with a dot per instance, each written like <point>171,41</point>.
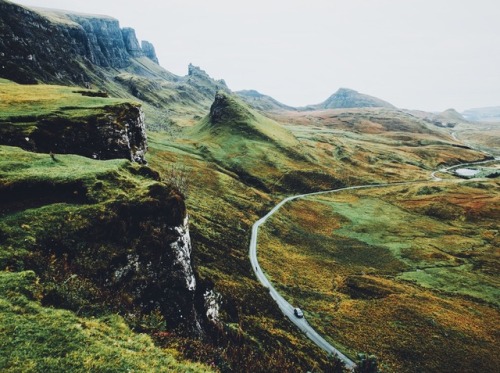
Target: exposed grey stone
<point>149,51</point>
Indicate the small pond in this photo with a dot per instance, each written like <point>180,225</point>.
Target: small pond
<point>466,172</point>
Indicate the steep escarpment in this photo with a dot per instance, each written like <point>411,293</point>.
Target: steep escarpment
<point>59,47</point>
<point>93,51</point>
<point>116,132</point>
<point>149,51</point>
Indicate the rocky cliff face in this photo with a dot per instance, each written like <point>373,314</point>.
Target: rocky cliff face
<point>131,43</point>
<point>116,131</point>
<point>160,277</point>
<point>149,51</point>
<point>102,39</point>
<point>123,245</point>
<point>55,46</point>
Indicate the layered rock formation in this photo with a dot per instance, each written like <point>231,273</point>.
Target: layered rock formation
<point>131,43</point>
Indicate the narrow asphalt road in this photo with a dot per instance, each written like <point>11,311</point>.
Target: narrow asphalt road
<point>286,307</point>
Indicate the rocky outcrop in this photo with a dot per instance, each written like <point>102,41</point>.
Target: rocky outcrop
<point>225,109</point>
<point>112,132</point>
<point>160,276</point>
<point>212,303</point>
<point>125,246</point>
<point>131,43</point>
<point>103,40</point>
<point>149,51</point>
<point>203,83</point>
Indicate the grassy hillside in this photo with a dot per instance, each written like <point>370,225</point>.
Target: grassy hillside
<point>245,142</point>
<point>64,220</point>
<point>41,339</point>
<point>335,148</point>
<point>69,224</point>
<point>37,101</point>
<point>408,273</point>
<point>262,102</point>
<point>484,136</point>
<point>66,120</point>
<point>232,166</point>
<point>349,98</point>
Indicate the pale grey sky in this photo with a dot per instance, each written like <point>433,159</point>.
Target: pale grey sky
<point>417,54</point>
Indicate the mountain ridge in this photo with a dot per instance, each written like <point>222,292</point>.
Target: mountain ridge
<point>346,98</point>
<point>343,98</point>
<point>261,101</point>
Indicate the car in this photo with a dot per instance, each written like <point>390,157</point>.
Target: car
<point>298,312</point>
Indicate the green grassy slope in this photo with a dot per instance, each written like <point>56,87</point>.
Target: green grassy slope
<point>64,220</point>
<point>245,142</point>
<point>37,101</point>
<point>42,339</point>
<point>67,120</point>
<point>407,273</point>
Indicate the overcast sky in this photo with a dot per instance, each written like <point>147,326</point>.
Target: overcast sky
<point>417,54</point>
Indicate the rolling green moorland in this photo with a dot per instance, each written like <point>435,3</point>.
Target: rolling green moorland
<point>89,280</point>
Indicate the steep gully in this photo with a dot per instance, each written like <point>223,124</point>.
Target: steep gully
<point>286,307</point>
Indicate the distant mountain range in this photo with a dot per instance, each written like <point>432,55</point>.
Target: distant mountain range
<point>344,98</point>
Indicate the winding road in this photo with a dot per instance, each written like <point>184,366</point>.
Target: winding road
<point>286,307</point>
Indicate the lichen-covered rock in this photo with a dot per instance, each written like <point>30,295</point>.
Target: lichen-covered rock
<point>212,302</point>
<point>162,277</point>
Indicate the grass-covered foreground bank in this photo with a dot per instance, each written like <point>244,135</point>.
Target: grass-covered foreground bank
<point>54,251</point>
<point>34,338</point>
